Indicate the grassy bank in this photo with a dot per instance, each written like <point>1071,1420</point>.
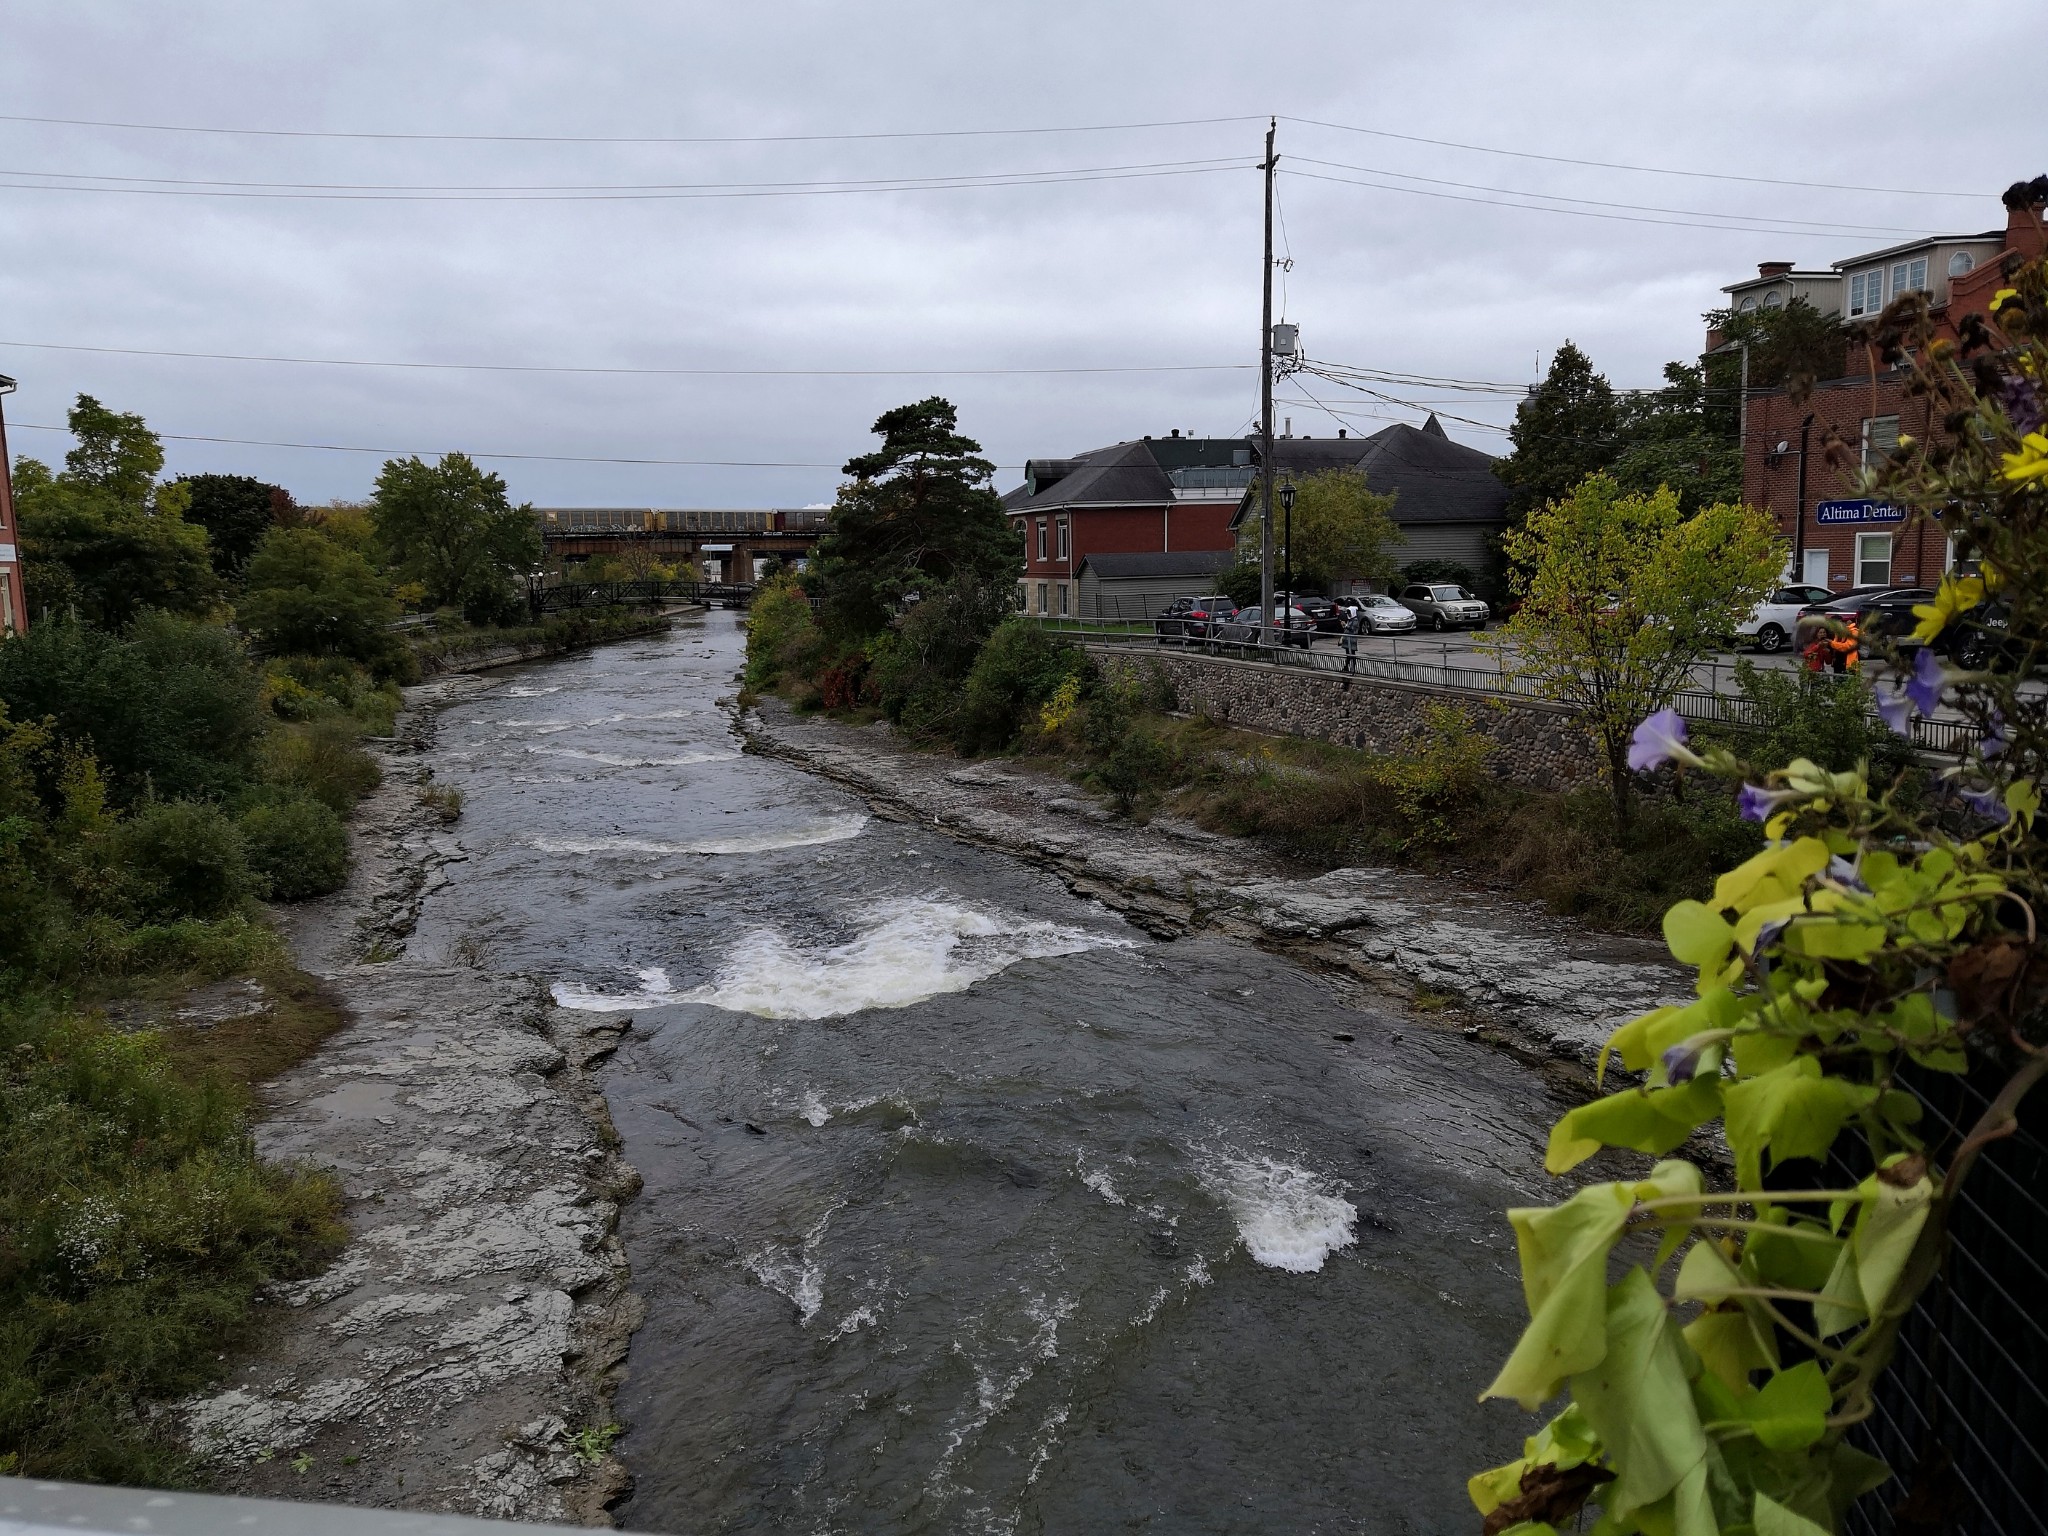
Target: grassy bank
<point>1432,805</point>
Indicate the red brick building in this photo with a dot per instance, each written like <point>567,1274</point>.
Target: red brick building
<point>1839,538</point>
<point>13,605</point>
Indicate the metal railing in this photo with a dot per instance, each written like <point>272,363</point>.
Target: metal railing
<point>569,596</point>
<point>1453,672</point>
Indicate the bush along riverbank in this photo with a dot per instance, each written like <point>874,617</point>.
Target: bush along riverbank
<point>1023,693</point>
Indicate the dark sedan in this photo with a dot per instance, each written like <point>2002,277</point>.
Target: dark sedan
<point>1193,618</point>
<point>1849,610</point>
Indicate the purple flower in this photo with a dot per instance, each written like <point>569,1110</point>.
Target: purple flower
<point>2022,402</point>
<point>1659,740</point>
<point>1994,741</point>
<point>1756,804</point>
<point>1988,805</point>
<point>1925,687</point>
<point>1897,712</point>
<point>1682,1062</point>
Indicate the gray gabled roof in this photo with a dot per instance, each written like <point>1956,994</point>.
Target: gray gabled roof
<point>1189,562</point>
<point>1121,475</point>
<point>1431,478</point>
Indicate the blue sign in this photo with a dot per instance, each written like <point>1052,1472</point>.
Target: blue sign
<point>1861,511</point>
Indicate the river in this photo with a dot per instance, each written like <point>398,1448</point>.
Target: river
<point>969,1207</point>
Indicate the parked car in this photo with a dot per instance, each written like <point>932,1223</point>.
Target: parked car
<point>1322,613</point>
<point>1772,623</point>
<point>1193,618</point>
<point>1295,628</point>
<point>1849,609</point>
<point>1379,614</point>
<point>1444,605</point>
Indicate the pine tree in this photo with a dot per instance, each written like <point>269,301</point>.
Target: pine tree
<point>1568,427</point>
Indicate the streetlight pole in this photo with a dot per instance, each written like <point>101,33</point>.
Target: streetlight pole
<point>1287,550</point>
<point>1266,409</point>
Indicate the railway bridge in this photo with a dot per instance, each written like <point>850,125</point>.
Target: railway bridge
<point>719,544</point>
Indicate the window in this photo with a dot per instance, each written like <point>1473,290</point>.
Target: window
<point>6,604</point>
<point>1041,546</point>
<point>1041,592</point>
<point>1748,303</point>
<point>1873,559</point>
<point>1880,437</point>
<point>1960,263</point>
<point>1774,299</point>
<point>1866,293</point>
<point>1061,524</point>
<point>1909,276</point>
<point>1815,571</point>
<point>1063,599</point>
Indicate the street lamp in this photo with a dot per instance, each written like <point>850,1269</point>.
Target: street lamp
<point>1287,555</point>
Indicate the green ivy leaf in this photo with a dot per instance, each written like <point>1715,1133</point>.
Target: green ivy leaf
<point>1885,1234</point>
<point>1793,1111</point>
<point>1563,1250</point>
<point>1790,1411</point>
<point>1732,1341</point>
<point>1774,1519</point>
<point>1698,935</point>
<point>1829,938</point>
<point>1653,1120</point>
<point>1639,1402</point>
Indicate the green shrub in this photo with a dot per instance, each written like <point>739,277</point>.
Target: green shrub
<point>182,858</point>
<point>323,759</point>
<point>172,708</point>
<point>1814,715</point>
<point>312,687</point>
<point>1016,672</point>
<point>305,594</point>
<point>781,634</point>
<point>296,846</point>
<point>139,1228</point>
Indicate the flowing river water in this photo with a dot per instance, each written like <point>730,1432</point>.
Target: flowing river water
<point>968,1206</point>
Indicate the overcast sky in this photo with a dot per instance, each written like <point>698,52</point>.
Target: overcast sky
<point>1135,269</point>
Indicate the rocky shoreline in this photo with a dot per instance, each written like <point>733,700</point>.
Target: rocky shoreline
<point>1498,968</point>
<point>461,1352</point>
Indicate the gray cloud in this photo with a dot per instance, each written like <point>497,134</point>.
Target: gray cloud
<point>1104,273</point>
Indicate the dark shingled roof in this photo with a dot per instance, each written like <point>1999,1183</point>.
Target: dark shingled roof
<point>1432,479</point>
<point>1190,562</point>
<point>1121,475</point>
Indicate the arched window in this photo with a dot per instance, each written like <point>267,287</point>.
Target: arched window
<point>1773,299</point>
<point>1960,263</point>
<point>1748,303</point>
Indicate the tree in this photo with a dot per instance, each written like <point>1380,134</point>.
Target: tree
<point>451,527</point>
<point>918,516</point>
<point>1567,428</point>
<point>306,595</point>
<point>1622,597</point>
<point>1670,437</point>
<point>1341,531</point>
<point>1790,348</point>
<point>236,511</point>
<point>102,537</point>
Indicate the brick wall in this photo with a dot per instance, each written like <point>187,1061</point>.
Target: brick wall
<point>1534,744</point>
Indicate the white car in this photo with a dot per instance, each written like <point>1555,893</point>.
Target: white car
<point>1378,614</point>
<point>1776,619</point>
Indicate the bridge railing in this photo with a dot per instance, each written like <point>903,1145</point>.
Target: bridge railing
<point>569,596</point>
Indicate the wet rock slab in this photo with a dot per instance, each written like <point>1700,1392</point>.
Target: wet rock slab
<point>1550,984</point>
<point>473,1325</point>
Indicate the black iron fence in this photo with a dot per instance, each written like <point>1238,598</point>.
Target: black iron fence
<point>568,596</point>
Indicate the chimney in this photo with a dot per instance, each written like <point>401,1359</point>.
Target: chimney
<point>1175,432</point>
<point>1340,432</point>
<point>1773,268</point>
<point>2023,203</point>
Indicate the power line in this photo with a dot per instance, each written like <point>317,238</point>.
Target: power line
<point>1814,225</point>
<point>997,179</point>
<point>1615,165</point>
<point>1582,213</point>
<point>358,362</point>
<point>399,453</point>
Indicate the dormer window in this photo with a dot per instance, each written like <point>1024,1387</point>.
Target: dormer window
<point>1774,299</point>
<point>1961,263</point>
<point>1866,292</point>
<point>1909,276</point>
<point>1748,304</point>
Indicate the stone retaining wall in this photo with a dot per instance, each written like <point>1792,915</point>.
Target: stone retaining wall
<point>1534,743</point>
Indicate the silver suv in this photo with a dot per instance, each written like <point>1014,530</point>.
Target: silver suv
<point>1444,605</point>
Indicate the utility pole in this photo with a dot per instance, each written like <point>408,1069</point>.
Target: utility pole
<point>1266,411</point>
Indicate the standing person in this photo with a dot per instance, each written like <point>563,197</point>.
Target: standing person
<point>1354,614</point>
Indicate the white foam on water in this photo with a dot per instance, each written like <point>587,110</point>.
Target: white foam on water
<point>798,1273</point>
<point>854,1321</point>
<point>655,992</point>
<point>814,1108</point>
<point>1097,1179</point>
<point>1288,1217</point>
<point>916,949</point>
<point>834,829</point>
<point>615,760</point>
<point>522,691</point>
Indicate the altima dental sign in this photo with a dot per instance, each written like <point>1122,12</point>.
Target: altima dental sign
<point>1863,510</point>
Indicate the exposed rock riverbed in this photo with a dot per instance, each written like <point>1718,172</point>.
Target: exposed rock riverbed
<point>1509,971</point>
<point>472,1328</point>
